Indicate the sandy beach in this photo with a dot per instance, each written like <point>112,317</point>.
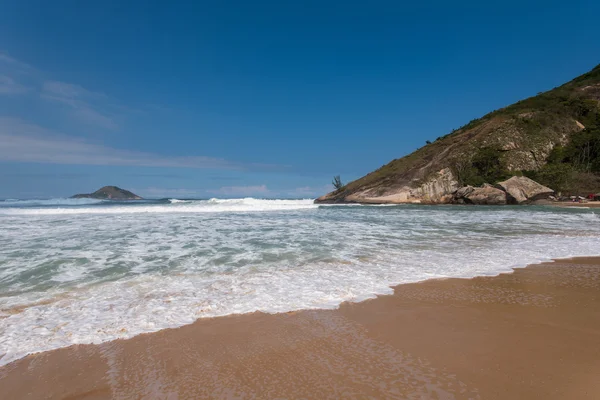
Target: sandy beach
<point>532,334</point>
<point>589,204</point>
<point>299,200</point>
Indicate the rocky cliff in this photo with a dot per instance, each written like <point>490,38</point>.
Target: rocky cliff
<point>521,137</point>
<point>109,193</point>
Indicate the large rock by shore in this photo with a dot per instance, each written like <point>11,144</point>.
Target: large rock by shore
<point>442,188</point>
<point>520,189</point>
<point>437,188</point>
<point>484,195</point>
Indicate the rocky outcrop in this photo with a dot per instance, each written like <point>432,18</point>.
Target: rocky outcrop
<point>484,195</point>
<point>109,193</point>
<point>524,134</point>
<point>520,189</point>
<point>516,190</point>
<point>442,188</point>
<point>436,189</point>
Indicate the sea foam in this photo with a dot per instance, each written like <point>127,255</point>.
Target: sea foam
<point>48,202</point>
<point>174,206</point>
<point>97,276</point>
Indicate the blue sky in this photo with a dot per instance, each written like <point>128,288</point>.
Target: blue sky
<point>261,98</point>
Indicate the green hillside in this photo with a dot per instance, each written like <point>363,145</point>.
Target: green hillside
<point>553,137</point>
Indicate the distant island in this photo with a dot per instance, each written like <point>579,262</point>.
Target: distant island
<point>552,138</point>
<point>109,193</point>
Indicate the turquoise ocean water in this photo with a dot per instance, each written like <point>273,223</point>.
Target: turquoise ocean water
<point>87,271</point>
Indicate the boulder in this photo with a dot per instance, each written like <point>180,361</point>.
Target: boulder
<point>437,189</point>
<point>520,189</point>
<point>463,192</point>
<point>484,195</point>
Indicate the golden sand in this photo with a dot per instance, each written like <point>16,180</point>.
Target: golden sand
<point>533,334</point>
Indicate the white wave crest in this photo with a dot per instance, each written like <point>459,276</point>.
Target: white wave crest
<point>176,201</point>
<point>192,206</point>
<point>164,271</point>
<point>48,202</point>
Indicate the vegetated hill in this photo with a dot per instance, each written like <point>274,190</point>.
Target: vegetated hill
<point>553,137</point>
<point>109,193</point>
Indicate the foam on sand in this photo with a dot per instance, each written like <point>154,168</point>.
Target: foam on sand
<point>100,276</point>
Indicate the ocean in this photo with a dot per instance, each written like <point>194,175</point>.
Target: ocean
<point>88,271</point>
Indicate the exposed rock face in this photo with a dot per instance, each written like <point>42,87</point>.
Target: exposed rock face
<point>485,195</point>
<point>109,193</point>
<point>435,190</point>
<point>461,194</point>
<point>438,189</point>
<point>521,189</point>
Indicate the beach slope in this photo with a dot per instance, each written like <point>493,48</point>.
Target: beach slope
<point>530,334</point>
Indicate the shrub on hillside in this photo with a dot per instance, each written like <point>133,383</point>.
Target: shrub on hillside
<point>484,167</point>
<point>337,182</point>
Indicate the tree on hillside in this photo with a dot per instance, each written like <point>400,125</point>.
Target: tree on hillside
<point>337,182</point>
<point>462,169</point>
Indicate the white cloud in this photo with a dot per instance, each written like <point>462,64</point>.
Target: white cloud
<point>21,141</point>
<point>93,117</point>
<point>14,64</point>
<point>166,192</point>
<point>310,191</point>
<point>84,104</point>
<point>80,104</point>
<point>68,90</point>
<point>9,86</point>
<point>304,192</point>
<point>12,75</point>
<point>24,142</point>
<point>241,190</point>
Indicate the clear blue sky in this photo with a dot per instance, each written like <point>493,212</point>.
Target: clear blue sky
<point>260,98</point>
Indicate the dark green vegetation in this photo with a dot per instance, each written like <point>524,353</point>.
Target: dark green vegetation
<point>552,137</point>
<point>485,166</point>
<point>109,193</point>
<point>337,182</point>
<point>575,167</point>
<point>572,168</point>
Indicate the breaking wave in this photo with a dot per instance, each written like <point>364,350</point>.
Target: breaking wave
<point>118,269</point>
<point>48,202</point>
<point>170,206</point>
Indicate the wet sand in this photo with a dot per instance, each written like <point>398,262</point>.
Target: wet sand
<point>586,204</point>
<point>533,334</point>
<point>590,204</point>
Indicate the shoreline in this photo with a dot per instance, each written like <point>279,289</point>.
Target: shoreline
<point>449,241</point>
<point>587,204</point>
<point>591,204</point>
<point>365,298</point>
<point>428,338</point>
